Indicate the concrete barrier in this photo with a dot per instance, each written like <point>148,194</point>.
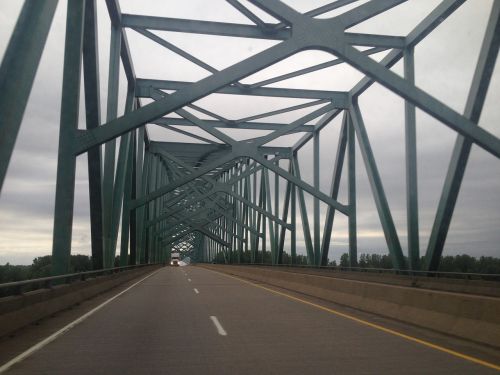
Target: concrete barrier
<point>467,286</point>
<point>21,310</point>
<point>467,316</point>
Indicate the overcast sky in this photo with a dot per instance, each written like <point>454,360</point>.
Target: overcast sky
<point>444,67</point>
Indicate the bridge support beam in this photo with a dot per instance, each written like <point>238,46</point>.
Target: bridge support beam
<point>66,163</point>
<point>461,150</point>
<point>93,120</point>
<point>411,166</point>
<point>18,69</point>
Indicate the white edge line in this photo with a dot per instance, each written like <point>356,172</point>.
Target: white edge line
<point>196,291</point>
<point>217,325</point>
<point>65,329</point>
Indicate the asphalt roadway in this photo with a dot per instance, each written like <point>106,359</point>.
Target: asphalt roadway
<point>189,320</point>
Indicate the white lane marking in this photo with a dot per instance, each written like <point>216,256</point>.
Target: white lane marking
<point>217,325</point>
<point>189,280</point>
<point>65,329</point>
<point>196,291</point>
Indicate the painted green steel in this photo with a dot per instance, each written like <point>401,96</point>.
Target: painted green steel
<point>93,120</point>
<point>293,234</point>
<point>462,147</point>
<point>126,213</point>
<point>411,166</point>
<point>334,191</point>
<point>276,212</point>
<point>316,167</point>
<point>211,199</point>
<point>66,163</point>
<point>303,215</point>
<point>379,196</point>
<point>351,185</point>
<point>108,178</point>
<point>21,59</point>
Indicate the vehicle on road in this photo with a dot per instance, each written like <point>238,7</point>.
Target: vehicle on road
<point>175,259</point>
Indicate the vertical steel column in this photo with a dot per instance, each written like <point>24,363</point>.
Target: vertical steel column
<point>264,218</point>
<point>146,186</point>
<point>334,190</point>
<point>116,206</point>
<point>286,205</point>
<point>110,146</point>
<point>156,209</point>
<point>246,211</point>
<point>461,150</point>
<point>141,167</point>
<point>119,184</point>
<point>163,200</point>
<point>66,162</point>
<point>151,207</point>
<point>259,219</point>
<point>391,236</point>
<point>18,69</point>
<point>126,213</point>
<point>276,212</point>
<point>411,166</point>
<point>239,216</point>
<point>293,234</point>
<point>351,182</point>
<point>303,215</point>
<point>133,195</point>
<point>250,217</point>
<point>317,250</point>
<point>254,216</point>
<point>93,117</point>
<point>272,240</point>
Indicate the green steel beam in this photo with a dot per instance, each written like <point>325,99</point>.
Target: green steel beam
<point>293,234</point>
<point>351,182</point>
<point>286,204</point>
<point>93,120</point>
<point>110,147</point>
<point>126,213</point>
<point>461,151</point>
<point>411,166</point>
<point>303,215</point>
<point>18,69</point>
<point>391,236</point>
<point>334,191</point>
<point>66,162</point>
<point>316,167</point>
<point>340,98</point>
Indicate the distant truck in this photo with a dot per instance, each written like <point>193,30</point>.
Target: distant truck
<point>175,259</point>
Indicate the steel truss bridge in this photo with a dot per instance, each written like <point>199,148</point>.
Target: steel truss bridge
<point>217,196</point>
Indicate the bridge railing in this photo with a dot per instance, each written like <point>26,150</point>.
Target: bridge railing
<point>23,286</point>
<point>433,274</point>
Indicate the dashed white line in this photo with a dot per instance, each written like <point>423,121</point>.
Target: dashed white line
<point>196,291</point>
<point>217,325</point>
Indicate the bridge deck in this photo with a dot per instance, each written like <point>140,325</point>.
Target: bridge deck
<point>162,325</point>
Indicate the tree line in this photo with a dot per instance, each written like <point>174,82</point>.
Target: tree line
<point>41,266</point>
<point>450,263</point>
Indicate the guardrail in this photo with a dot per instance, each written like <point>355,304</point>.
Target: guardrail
<point>434,274</point>
<point>20,287</point>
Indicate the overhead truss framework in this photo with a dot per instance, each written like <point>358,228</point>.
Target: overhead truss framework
<point>216,197</point>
